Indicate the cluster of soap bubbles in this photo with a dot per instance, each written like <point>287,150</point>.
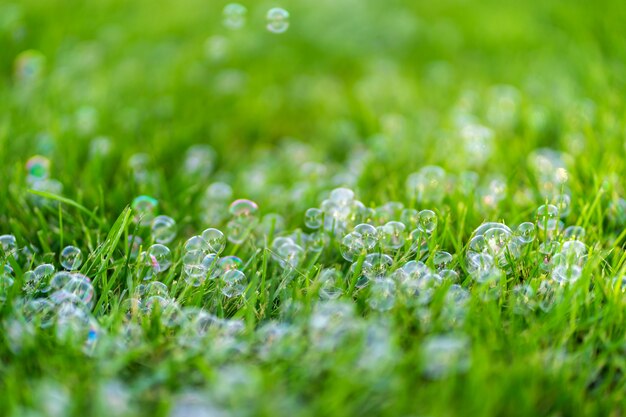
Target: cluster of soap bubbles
<point>235,16</point>
<point>61,300</point>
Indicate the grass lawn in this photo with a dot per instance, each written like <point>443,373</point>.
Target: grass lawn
<point>312,208</point>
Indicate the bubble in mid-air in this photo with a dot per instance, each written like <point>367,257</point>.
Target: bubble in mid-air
<point>234,15</point>
<point>37,168</point>
<point>144,207</point>
<point>277,20</point>
<point>158,257</point>
<point>313,218</point>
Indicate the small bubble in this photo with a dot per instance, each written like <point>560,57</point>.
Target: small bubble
<point>277,20</point>
<point>71,258</point>
<point>234,16</point>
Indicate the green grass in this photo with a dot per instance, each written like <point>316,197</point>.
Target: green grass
<point>356,94</point>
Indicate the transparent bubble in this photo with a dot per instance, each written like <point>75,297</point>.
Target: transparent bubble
<point>331,282</point>
<point>290,255</point>
<point>566,273</point>
<point>215,239</point>
<point>193,266</point>
<point>277,20</point>
<point>442,259</point>
<point>196,243</point>
<point>144,208</point>
<point>574,233</point>
<point>159,258</point>
<point>228,263</point>
<point>392,235</point>
<point>427,221</point>
<point>211,265</point>
<point>563,204</point>
<point>547,217</point>
<point>37,168</point>
<point>43,272</point>
<point>428,184</point>
<point>71,258</point>
<point>29,66</point>
<point>80,286</point>
<point>314,218</point>
<point>234,16</point>
<point>163,229</point>
<point>243,208</point>
<point>419,242</point>
<point>234,283</point>
<point>317,241</point>
<point>238,230</point>
<point>443,356</point>
<point>525,232</point>
<point>449,275</point>
<point>8,244</point>
<point>199,160</point>
<point>382,296</point>
<point>369,235</point>
<point>410,218</point>
<point>342,196</point>
<point>352,246</point>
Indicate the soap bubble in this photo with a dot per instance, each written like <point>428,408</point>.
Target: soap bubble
<point>234,16</point>
<point>277,20</point>
<point>8,245</point>
<point>427,220</point>
<point>525,232</point>
<point>71,258</point>
<point>369,235</point>
<point>392,235</point>
<point>234,283</point>
<point>144,208</point>
<point>163,229</point>
<point>352,246</point>
<point>382,295</point>
<point>314,218</point>
<point>428,184</point>
<point>159,258</point>
<point>215,240</point>
<point>547,217</point>
<point>37,168</point>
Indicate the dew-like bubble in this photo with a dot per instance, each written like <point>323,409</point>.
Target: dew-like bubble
<point>37,168</point>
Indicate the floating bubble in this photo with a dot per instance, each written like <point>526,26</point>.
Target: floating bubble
<point>144,208</point>
<point>331,282</point>
<point>277,20</point>
<point>71,258</point>
<point>29,66</point>
<point>37,168</point>
<point>163,229</point>
<point>196,243</point>
<point>428,184</point>
<point>234,16</point>
<point>243,208</point>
